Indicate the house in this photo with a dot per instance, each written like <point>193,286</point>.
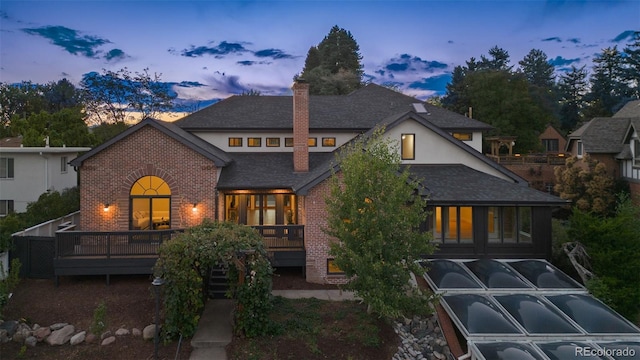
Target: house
<point>27,172</point>
<point>265,161</point>
<point>614,142</point>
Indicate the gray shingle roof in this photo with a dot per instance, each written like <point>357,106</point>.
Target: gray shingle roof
<point>460,185</point>
<point>629,110</point>
<point>602,135</point>
<point>360,110</point>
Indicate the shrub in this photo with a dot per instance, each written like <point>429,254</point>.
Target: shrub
<point>9,283</point>
<point>99,323</point>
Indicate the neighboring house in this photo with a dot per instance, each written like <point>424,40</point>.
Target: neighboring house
<point>265,161</point>
<point>27,172</point>
<point>614,142</point>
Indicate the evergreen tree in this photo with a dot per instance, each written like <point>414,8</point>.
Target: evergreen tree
<point>333,67</point>
<point>499,60</point>
<point>632,69</point>
<point>572,87</point>
<point>609,90</point>
<point>536,68</point>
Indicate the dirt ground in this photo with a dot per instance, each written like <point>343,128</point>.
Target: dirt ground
<point>129,301</point>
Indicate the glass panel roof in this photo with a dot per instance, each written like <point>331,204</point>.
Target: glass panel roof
<point>536,316</point>
<point>479,315</point>
<point>494,274</point>
<point>566,350</point>
<point>448,274</point>
<point>508,351</point>
<point>544,275</point>
<point>592,315</point>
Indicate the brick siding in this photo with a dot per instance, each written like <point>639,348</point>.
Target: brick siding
<point>108,176</point>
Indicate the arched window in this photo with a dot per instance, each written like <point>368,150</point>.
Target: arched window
<point>150,204</point>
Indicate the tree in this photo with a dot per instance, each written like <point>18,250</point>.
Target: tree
<point>537,70</point>
<point>19,101</point>
<point>61,95</point>
<point>632,69</point>
<point>613,246</point>
<point>499,60</point>
<point>609,91</point>
<point>66,127</point>
<point>333,67</point>
<point>586,183</point>
<point>572,88</point>
<point>109,96</point>
<point>375,211</point>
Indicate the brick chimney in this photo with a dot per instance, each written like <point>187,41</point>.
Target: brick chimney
<point>300,126</point>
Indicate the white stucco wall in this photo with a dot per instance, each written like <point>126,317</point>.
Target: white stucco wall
<point>35,172</point>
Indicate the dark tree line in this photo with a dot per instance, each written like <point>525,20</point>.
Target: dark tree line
<point>521,101</point>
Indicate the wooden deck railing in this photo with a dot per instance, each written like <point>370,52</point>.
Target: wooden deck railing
<point>550,159</point>
<point>279,237</point>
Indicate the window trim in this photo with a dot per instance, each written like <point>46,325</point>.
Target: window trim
<point>288,142</point>
<point>232,141</point>
<point>579,149</point>
<point>255,140</point>
<point>273,142</point>
<point>402,146</point>
<point>63,165</point>
<point>441,235</point>
<point>6,207</point>
<point>517,227</point>
<point>312,142</point>
<point>551,141</point>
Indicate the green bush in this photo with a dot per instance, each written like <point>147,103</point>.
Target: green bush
<point>185,261</point>
<point>99,323</point>
<point>9,283</point>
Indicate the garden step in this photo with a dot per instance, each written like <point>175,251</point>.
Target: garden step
<point>215,328</point>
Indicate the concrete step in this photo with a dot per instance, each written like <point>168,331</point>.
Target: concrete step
<point>216,353</point>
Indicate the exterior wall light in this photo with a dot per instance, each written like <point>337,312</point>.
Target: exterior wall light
<point>106,208</point>
<point>195,207</point>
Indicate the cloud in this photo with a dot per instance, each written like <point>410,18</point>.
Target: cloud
<point>115,55</point>
<point>436,84</point>
<point>625,35</point>
<point>70,40</point>
<point>188,84</point>
<point>574,40</point>
<point>251,62</point>
<point>555,38</point>
<point>408,63</point>
<point>559,61</point>
<point>273,53</point>
<point>218,51</point>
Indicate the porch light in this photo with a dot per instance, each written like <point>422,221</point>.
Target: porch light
<point>106,208</point>
<point>195,207</point>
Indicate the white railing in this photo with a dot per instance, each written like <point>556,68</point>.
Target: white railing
<point>50,227</point>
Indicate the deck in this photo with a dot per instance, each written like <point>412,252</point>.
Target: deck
<point>136,251</point>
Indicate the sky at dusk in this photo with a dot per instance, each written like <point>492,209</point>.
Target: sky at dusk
<point>211,49</point>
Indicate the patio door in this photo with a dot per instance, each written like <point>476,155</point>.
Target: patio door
<point>150,204</point>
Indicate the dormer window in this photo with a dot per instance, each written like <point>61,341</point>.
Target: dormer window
<point>579,150</point>
<point>463,136</point>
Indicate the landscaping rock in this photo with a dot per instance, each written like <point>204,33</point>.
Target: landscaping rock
<point>23,331</point>
<point>4,337</point>
<point>122,332</point>
<point>57,326</point>
<point>105,335</point>
<point>149,332</point>
<point>9,326</point>
<point>31,341</point>
<point>61,336</point>
<point>108,341</point>
<point>91,338</point>
<point>78,338</point>
<point>136,332</point>
<point>42,333</point>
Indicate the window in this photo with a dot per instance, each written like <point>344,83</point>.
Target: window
<point>509,225</point>
<point>261,209</point>
<point>6,168</point>
<point>463,136</point>
<point>407,145</point>
<point>150,204</point>
<point>332,268</point>
<point>453,224</point>
<point>550,145</point>
<point>288,142</point>
<point>579,146</point>
<point>636,152</point>
<point>328,141</point>
<point>6,207</point>
<point>63,164</point>
<point>254,142</point>
<point>312,142</point>
<point>235,141</point>
<point>273,142</point>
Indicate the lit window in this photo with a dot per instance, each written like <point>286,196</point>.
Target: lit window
<point>63,164</point>
<point>312,142</point>
<point>273,142</point>
<point>332,268</point>
<point>6,168</point>
<point>329,141</point>
<point>150,204</point>
<point>288,142</point>
<point>462,136</point>
<point>254,142</point>
<point>235,141</point>
<point>408,149</point>
<point>6,207</point>
<point>453,224</point>
<point>509,225</point>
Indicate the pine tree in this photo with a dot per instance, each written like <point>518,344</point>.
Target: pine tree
<point>609,91</point>
<point>632,60</point>
<point>536,68</point>
<point>572,87</point>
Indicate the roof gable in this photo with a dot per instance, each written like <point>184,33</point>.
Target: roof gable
<point>219,157</point>
<point>601,135</point>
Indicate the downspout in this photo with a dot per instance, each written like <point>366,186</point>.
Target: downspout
<point>46,172</point>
